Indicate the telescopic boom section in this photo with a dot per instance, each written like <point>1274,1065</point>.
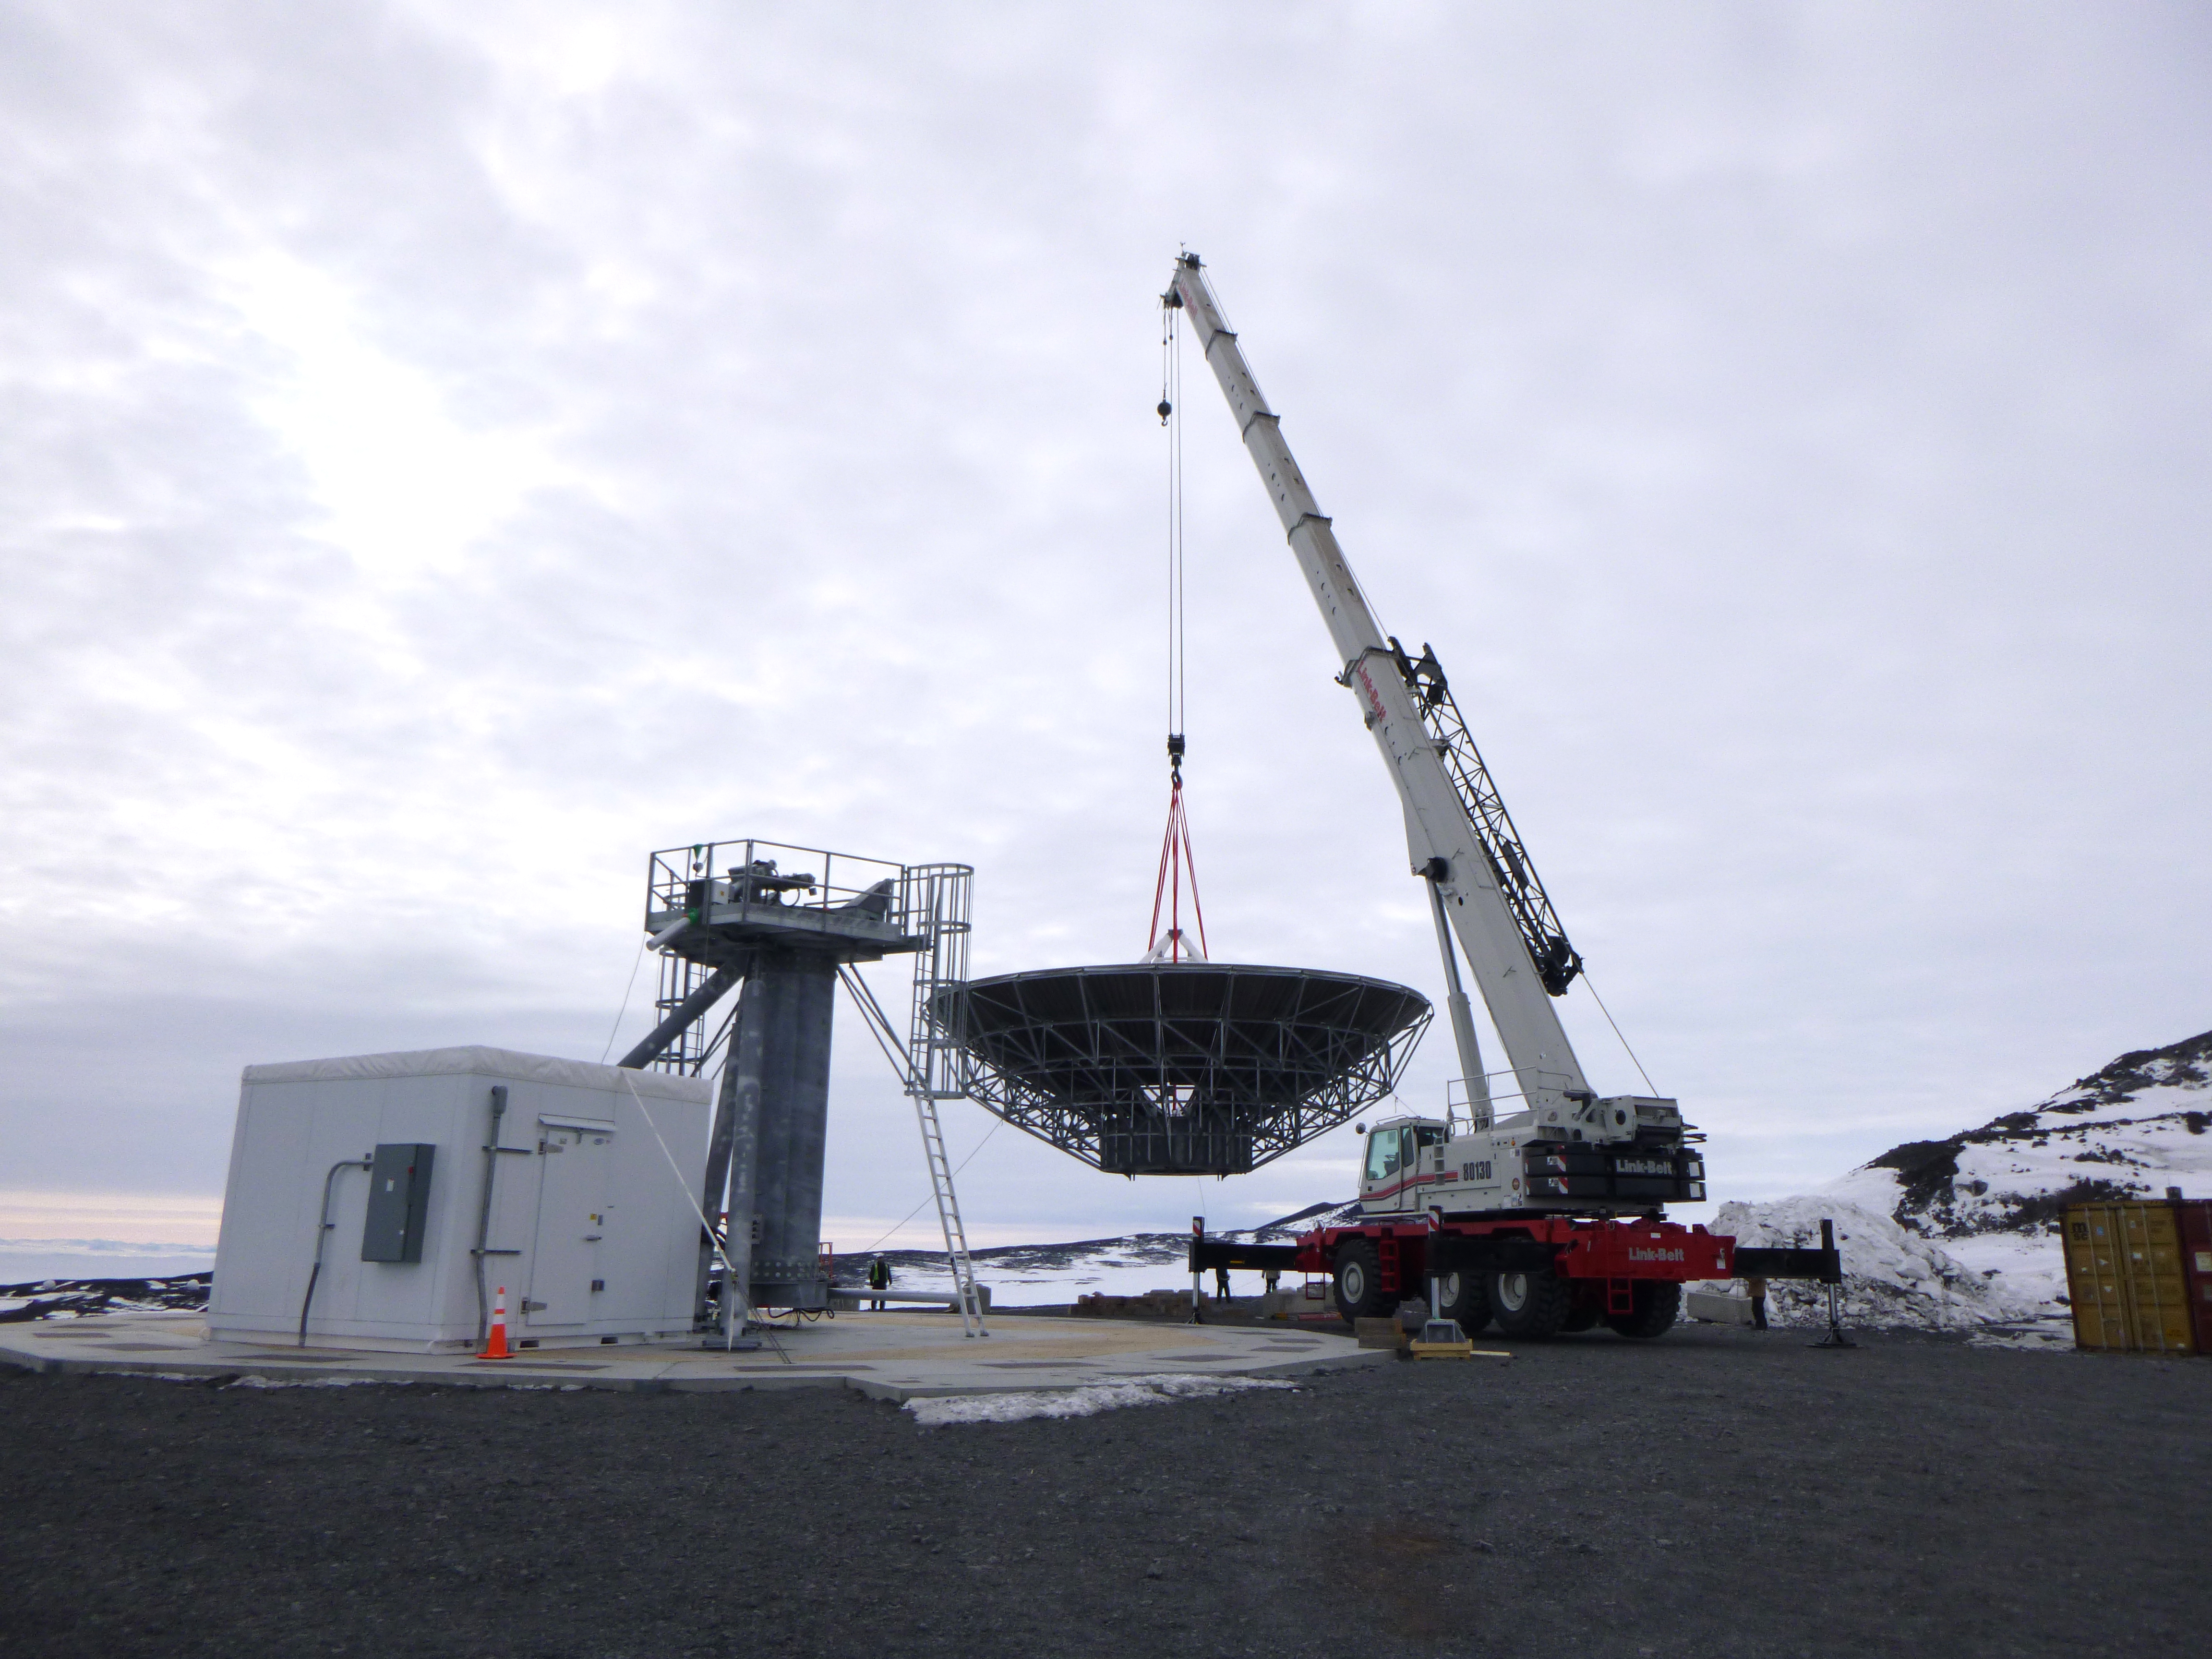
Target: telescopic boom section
<point>1441,834</point>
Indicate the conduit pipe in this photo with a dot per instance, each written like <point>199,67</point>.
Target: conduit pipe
<point>492,1150</point>
<point>323,1231</point>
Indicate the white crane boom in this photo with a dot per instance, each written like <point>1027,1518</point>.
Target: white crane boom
<point>1440,834</point>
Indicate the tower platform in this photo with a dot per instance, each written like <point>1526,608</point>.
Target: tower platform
<point>851,909</point>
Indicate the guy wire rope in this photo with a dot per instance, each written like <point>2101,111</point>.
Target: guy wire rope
<point>1176,856</point>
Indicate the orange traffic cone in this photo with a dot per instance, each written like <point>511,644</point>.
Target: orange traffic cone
<point>496,1347</point>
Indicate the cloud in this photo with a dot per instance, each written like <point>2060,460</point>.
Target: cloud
<point>453,454</point>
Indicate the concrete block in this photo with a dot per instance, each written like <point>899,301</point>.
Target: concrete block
<point>1717,1308</point>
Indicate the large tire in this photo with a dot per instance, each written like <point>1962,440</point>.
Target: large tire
<point>1532,1305</point>
<point>1359,1282</point>
<point>1657,1303</point>
<point>1466,1298</point>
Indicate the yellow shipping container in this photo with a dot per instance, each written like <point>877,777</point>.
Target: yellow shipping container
<point>2125,1279</point>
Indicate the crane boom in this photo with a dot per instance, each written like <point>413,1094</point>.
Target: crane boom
<point>1483,883</point>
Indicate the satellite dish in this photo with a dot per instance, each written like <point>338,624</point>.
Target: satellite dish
<point>1189,1068</point>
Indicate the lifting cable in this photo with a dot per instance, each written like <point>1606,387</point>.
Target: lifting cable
<point>1177,863</point>
<point>1592,987</point>
<point>1171,420</point>
<point>624,1008</point>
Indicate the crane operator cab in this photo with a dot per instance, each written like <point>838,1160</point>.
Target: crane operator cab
<point>1404,1160</point>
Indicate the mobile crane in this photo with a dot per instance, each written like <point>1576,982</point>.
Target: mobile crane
<point>1550,1216</point>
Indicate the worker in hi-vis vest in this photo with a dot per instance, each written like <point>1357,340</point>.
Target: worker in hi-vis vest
<point>879,1278</point>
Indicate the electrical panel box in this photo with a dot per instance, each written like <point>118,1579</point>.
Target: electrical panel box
<point>398,1202</point>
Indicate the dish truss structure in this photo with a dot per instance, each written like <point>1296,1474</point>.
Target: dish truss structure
<point>1181,1069</point>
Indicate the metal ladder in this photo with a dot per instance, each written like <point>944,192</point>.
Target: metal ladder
<point>948,1216</point>
<point>934,1064</point>
<point>937,1060</point>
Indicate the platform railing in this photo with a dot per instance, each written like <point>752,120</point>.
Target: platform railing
<point>1458,1103</point>
<point>774,875</point>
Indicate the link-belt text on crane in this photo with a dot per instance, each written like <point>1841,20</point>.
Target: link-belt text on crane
<point>1373,697</point>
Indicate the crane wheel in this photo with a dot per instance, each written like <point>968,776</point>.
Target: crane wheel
<point>1359,1282</point>
<point>1657,1303</point>
<point>1466,1298</point>
<point>1530,1304</point>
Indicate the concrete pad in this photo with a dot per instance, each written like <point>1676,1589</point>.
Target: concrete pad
<point>887,1356</point>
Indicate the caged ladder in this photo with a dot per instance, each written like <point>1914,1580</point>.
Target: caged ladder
<point>938,1065</point>
<point>934,1065</point>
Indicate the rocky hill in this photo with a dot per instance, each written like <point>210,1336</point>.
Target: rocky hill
<point>2130,1130</point>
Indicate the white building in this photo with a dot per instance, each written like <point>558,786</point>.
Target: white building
<point>578,1213</point>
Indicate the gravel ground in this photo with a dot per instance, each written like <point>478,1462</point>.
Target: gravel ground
<point>1720,1491</point>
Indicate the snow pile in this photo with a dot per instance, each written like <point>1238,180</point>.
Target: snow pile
<point>1892,1277</point>
<point>1085,1401</point>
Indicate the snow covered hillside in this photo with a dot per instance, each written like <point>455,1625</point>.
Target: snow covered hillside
<point>1963,1231</point>
<point>2130,1131</point>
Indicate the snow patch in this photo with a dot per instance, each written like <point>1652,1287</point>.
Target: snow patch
<point>2051,1334</point>
<point>1088,1401</point>
<point>1892,1279</point>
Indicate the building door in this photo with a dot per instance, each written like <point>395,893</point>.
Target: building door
<point>571,1213</point>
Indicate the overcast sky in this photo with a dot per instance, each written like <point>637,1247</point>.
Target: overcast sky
<point>447,452</point>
